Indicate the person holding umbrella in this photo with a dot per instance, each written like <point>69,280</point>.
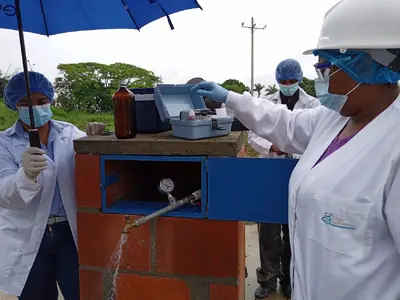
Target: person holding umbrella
<point>37,198</point>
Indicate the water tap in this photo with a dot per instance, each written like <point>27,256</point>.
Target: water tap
<point>127,224</point>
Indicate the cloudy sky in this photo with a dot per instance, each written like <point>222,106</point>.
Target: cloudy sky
<point>208,43</point>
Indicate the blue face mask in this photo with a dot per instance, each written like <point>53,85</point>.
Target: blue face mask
<point>332,101</point>
<point>289,90</point>
<point>42,114</point>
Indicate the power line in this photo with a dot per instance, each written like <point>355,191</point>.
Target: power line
<point>252,29</point>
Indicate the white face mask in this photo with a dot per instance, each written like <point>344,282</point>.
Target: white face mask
<point>332,101</point>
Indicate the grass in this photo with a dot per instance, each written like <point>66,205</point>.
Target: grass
<point>79,119</point>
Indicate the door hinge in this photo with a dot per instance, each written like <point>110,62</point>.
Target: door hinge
<point>205,166</point>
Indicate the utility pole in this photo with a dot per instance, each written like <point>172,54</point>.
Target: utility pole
<point>252,28</point>
<point>30,66</point>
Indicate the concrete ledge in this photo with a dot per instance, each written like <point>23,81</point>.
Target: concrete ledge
<point>161,144</point>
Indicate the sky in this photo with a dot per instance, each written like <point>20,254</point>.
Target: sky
<point>208,43</point>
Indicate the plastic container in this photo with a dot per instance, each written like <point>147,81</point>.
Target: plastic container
<point>124,106</point>
<point>147,116</point>
<point>172,99</point>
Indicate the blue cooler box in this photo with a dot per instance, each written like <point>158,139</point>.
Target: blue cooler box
<point>147,116</point>
<point>172,99</point>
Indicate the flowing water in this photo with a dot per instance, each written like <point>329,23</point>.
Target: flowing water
<point>113,266</point>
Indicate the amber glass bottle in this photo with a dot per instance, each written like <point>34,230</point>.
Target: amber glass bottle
<point>124,105</point>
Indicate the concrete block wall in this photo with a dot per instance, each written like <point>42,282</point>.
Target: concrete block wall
<point>168,258</point>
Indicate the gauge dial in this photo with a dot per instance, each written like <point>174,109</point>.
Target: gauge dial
<point>166,185</point>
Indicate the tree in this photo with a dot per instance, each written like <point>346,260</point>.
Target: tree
<point>235,85</point>
<point>308,86</point>
<point>258,87</point>
<point>271,89</point>
<point>5,77</point>
<point>89,86</point>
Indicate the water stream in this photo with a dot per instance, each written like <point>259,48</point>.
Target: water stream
<point>113,266</point>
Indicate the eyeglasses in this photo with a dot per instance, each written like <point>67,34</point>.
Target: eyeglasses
<point>323,69</point>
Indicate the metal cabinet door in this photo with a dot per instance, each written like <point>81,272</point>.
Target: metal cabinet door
<point>249,189</point>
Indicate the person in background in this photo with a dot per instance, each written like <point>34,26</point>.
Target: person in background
<point>274,242</point>
<point>37,197</point>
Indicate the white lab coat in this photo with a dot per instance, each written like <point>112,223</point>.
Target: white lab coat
<point>25,205</point>
<point>354,254</point>
<point>263,146</point>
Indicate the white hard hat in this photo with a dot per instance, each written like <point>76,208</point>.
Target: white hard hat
<point>361,24</point>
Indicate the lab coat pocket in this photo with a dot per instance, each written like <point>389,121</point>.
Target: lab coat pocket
<point>10,252</point>
<point>341,226</point>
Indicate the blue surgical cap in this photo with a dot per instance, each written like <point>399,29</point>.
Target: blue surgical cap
<point>360,66</point>
<point>15,89</point>
<point>289,69</point>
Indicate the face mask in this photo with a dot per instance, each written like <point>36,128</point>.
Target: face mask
<point>41,113</point>
<point>332,101</point>
<point>289,90</point>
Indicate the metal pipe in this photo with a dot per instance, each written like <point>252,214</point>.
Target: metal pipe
<point>193,198</point>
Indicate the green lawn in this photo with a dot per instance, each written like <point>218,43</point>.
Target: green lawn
<point>80,119</point>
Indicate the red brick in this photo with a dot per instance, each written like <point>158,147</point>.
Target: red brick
<point>197,247</point>
<point>242,152</point>
<point>131,286</point>
<point>241,281</point>
<point>87,177</point>
<point>98,238</point>
<point>223,292</point>
<point>91,286</point>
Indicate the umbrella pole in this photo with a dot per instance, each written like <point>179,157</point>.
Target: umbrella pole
<point>34,138</point>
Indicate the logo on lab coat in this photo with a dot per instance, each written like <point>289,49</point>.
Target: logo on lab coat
<point>337,221</point>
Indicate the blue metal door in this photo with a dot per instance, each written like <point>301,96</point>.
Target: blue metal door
<point>249,189</point>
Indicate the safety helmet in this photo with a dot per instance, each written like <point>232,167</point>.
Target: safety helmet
<point>360,24</point>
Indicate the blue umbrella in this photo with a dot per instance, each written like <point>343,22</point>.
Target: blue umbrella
<point>50,17</point>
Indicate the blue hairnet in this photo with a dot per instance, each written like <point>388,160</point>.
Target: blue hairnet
<point>360,66</point>
<point>15,89</point>
<point>289,69</point>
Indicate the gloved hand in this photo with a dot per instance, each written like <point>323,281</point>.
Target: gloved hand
<point>95,128</point>
<point>34,162</point>
<point>211,90</point>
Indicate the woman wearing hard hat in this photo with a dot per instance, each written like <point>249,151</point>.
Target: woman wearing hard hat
<point>344,194</point>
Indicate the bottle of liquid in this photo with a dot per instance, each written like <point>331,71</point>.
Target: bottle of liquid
<point>124,105</point>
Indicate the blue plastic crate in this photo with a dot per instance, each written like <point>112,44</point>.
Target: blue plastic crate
<point>147,115</point>
<point>171,99</point>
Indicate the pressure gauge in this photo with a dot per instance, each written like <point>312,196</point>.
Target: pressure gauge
<point>166,186</point>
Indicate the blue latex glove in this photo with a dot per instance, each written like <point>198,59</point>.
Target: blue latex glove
<point>211,90</point>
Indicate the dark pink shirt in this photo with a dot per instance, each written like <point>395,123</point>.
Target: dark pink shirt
<point>335,145</point>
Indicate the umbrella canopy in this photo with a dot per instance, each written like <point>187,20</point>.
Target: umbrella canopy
<point>50,17</point>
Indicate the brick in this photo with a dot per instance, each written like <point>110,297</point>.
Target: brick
<point>197,247</point>
<point>90,284</point>
<point>242,152</point>
<point>98,238</point>
<point>124,184</point>
<point>223,292</point>
<point>241,281</point>
<point>87,177</point>
<point>131,286</point>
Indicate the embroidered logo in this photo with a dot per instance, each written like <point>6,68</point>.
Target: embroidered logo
<point>337,221</point>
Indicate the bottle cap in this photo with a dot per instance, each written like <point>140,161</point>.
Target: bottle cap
<point>123,83</point>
